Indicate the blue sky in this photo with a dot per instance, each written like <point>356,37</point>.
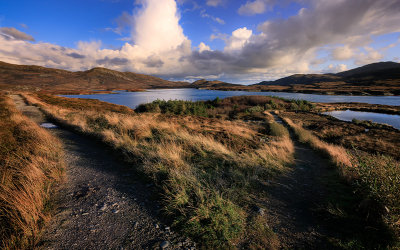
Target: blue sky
<point>242,41</point>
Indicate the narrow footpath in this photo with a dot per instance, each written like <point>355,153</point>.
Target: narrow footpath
<point>294,198</point>
<point>101,204</point>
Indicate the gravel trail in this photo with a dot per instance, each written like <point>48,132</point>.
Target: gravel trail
<point>101,204</point>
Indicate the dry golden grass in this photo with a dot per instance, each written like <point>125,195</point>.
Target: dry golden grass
<point>31,162</point>
<point>379,138</point>
<point>337,154</point>
<point>206,168</point>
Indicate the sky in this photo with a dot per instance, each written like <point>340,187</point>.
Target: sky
<point>244,42</point>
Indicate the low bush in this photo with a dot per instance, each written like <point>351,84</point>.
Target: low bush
<point>176,107</point>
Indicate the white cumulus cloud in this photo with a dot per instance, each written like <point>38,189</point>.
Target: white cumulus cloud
<point>238,39</point>
<point>203,47</point>
<point>156,26</point>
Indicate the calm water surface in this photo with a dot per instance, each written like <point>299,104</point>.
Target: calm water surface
<point>349,115</point>
<point>133,99</point>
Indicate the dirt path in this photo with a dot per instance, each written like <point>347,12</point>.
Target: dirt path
<point>294,198</point>
<point>101,205</point>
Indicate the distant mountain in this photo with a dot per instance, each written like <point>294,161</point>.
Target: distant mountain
<point>302,79</point>
<point>211,84</point>
<point>41,78</point>
<point>371,74</point>
<point>385,69</point>
<point>374,79</point>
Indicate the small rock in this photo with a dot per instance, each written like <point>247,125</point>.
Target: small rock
<point>165,244</point>
<point>104,207</point>
<point>115,211</point>
<point>261,211</point>
<point>85,214</point>
<point>156,226</point>
<point>167,228</point>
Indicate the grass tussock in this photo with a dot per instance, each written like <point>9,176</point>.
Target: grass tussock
<point>31,162</point>
<point>379,177</point>
<point>337,154</point>
<point>207,169</point>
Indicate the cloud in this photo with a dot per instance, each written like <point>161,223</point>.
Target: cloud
<point>158,45</point>
<point>336,68</point>
<point>286,41</point>
<point>76,55</point>
<point>204,14</point>
<point>203,47</point>
<point>13,33</point>
<point>369,56</point>
<point>254,7</point>
<point>112,61</point>
<point>156,26</point>
<point>153,62</point>
<point>238,39</point>
<point>215,3</point>
<point>342,53</point>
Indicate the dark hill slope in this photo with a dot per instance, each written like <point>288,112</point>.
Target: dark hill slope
<point>211,84</point>
<point>381,69</point>
<point>381,73</point>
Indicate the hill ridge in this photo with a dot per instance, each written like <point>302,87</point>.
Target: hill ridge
<point>32,77</point>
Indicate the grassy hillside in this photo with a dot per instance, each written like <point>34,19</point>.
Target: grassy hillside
<point>27,77</point>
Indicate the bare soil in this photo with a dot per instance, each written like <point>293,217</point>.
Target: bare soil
<point>101,204</point>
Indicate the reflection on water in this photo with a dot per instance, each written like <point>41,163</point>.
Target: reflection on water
<point>133,99</point>
<point>48,125</point>
<point>349,115</point>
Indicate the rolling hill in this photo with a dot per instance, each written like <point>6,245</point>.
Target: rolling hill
<point>30,77</point>
<point>371,74</point>
<point>381,78</point>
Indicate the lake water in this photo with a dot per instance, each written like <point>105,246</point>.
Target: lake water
<point>133,99</point>
<point>349,115</point>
